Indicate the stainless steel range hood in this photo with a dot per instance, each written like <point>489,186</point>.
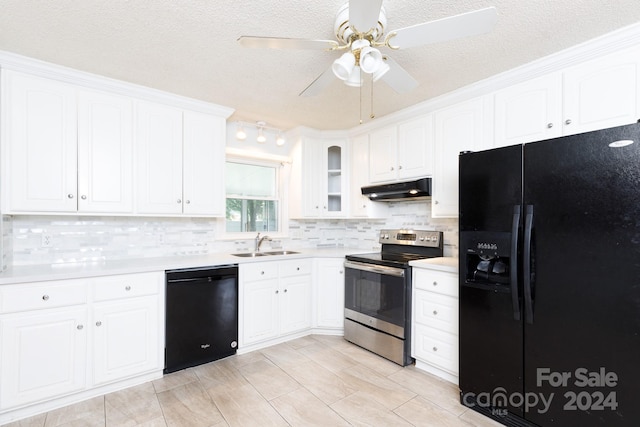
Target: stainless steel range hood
<point>407,190</point>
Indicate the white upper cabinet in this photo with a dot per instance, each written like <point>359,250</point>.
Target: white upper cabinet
<point>602,93</point>
<point>39,117</point>
<point>318,178</point>
<point>359,205</point>
<point>203,164</point>
<point>105,150</point>
<point>159,174</point>
<point>461,127</point>
<point>402,152</point>
<point>415,148</point>
<point>529,111</point>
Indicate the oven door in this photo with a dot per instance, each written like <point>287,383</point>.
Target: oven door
<point>376,296</point>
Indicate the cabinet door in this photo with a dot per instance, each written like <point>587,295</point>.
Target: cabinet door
<point>105,149</point>
<point>530,111</point>
<point>259,311</point>
<point>203,164</point>
<point>294,299</point>
<point>415,148</point>
<point>383,152</point>
<point>334,196</point>
<point>40,118</point>
<point>602,93</point>
<point>159,163</point>
<point>313,183</point>
<point>457,128</point>
<point>329,285</point>
<point>125,338</point>
<point>43,355</point>
<point>359,168</point>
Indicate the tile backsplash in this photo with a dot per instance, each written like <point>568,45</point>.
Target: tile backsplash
<point>31,240</point>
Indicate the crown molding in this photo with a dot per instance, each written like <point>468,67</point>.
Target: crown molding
<point>12,61</point>
<point>614,42</point>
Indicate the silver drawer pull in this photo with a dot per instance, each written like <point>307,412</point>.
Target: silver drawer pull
<point>127,288</point>
<point>435,348</point>
<point>277,291</point>
<point>45,297</point>
<point>285,291</point>
<point>79,327</point>
<point>98,323</point>
<point>435,283</point>
<point>435,313</point>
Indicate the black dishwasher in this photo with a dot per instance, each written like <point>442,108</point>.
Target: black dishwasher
<point>201,323</point>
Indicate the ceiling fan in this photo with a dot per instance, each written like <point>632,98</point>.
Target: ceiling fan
<point>359,28</point>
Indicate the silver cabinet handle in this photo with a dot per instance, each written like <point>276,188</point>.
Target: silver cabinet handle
<point>435,313</point>
<point>179,201</point>
<point>188,202</point>
<point>285,291</point>
<point>79,327</point>
<point>435,348</point>
<point>277,291</point>
<point>567,122</point>
<point>550,125</point>
<point>399,167</point>
<point>262,272</point>
<point>98,323</point>
<point>435,283</point>
<point>83,197</point>
<point>436,202</point>
<point>70,196</point>
<point>392,168</point>
<point>127,288</point>
<point>45,297</point>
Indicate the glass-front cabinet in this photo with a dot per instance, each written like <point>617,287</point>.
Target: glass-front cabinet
<point>318,180</point>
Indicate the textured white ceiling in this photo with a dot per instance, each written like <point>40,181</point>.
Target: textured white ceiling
<point>189,47</point>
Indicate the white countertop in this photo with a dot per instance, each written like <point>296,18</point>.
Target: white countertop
<point>37,273</point>
<point>449,264</point>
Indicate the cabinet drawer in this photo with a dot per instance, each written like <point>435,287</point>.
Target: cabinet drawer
<point>125,286</point>
<point>436,310</point>
<point>437,348</point>
<point>436,281</point>
<point>44,295</point>
<point>295,267</point>
<point>258,271</point>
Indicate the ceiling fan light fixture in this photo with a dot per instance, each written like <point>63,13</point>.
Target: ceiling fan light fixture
<point>280,141</point>
<point>343,66</point>
<point>381,71</point>
<point>354,79</point>
<point>370,59</point>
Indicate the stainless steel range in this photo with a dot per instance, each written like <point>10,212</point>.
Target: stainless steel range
<point>378,292</point>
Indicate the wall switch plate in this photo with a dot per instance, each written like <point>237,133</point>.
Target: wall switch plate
<point>46,240</point>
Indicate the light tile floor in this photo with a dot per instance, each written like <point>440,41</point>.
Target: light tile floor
<point>312,381</point>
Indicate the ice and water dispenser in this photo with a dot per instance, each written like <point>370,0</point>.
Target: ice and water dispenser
<point>487,258</point>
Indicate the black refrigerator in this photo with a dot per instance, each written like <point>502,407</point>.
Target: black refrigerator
<point>550,281</point>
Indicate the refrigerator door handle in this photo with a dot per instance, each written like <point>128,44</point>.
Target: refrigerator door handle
<point>513,267</point>
<point>528,303</point>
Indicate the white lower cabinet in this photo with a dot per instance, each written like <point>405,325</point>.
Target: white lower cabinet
<point>274,300</point>
<point>63,337</point>
<point>329,294</point>
<point>435,322</point>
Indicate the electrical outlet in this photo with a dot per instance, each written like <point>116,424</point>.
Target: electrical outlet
<point>46,240</point>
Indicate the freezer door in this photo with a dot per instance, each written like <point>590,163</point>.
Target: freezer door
<point>490,326</point>
<point>582,328</point>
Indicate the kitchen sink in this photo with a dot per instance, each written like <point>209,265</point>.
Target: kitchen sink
<point>280,253</point>
<point>255,254</point>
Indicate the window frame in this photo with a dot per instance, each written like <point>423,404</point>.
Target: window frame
<point>280,198</point>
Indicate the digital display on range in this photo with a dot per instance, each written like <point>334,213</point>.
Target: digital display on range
<point>406,236</point>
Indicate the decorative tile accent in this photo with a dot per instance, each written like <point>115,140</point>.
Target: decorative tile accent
<point>91,239</point>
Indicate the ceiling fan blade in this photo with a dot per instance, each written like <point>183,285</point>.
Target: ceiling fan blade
<point>454,27</point>
<point>319,84</point>
<point>286,43</point>
<point>364,14</point>
<point>398,78</point>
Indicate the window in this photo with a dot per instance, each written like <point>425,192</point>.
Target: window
<point>252,197</point>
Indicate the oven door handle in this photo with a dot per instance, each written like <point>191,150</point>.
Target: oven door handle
<point>380,269</point>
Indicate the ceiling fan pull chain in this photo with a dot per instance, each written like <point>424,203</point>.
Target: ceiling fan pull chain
<point>372,115</point>
<point>360,89</point>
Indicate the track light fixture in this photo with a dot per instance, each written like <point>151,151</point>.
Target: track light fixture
<point>262,131</point>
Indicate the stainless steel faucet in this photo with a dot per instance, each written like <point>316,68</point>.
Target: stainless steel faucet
<point>259,240</point>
